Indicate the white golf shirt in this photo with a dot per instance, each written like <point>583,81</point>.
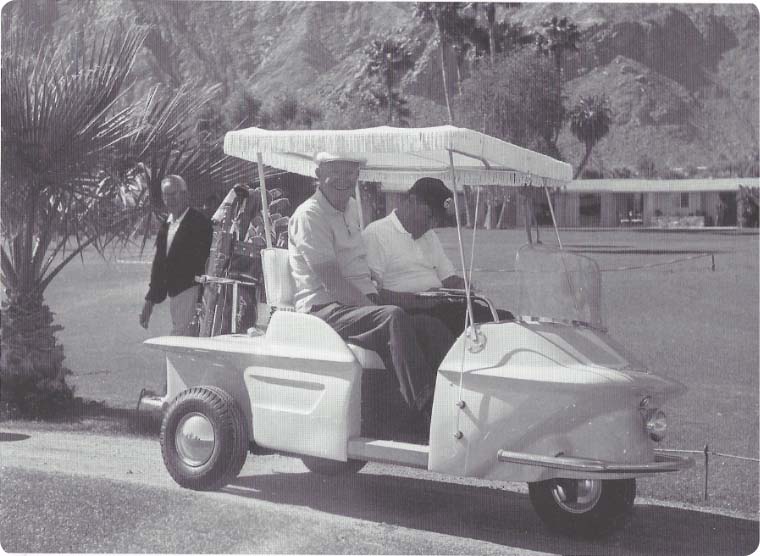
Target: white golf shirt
<point>400,263</point>
<point>318,233</point>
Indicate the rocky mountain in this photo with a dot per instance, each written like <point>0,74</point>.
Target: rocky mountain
<point>682,79</point>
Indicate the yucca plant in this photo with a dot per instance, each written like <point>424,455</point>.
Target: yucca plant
<point>60,129</point>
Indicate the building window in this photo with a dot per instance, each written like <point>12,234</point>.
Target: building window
<point>684,200</point>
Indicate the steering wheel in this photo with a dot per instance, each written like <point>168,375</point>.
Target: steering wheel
<point>445,293</point>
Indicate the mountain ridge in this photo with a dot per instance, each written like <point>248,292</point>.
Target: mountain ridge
<point>682,79</point>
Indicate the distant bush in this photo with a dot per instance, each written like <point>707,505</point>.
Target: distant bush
<point>516,100</point>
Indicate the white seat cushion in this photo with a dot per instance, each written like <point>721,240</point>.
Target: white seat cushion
<point>278,281</point>
<point>367,358</point>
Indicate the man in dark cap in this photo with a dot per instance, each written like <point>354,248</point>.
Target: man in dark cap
<point>405,257</point>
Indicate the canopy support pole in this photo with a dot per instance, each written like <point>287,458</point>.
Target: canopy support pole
<point>528,218</point>
<point>470,315</point>
<point>360,205</point>
<point>264,202</point>
<point>554,220</point>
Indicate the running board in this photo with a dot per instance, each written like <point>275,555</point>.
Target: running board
<point>662,462</point>
<point>389,451</point>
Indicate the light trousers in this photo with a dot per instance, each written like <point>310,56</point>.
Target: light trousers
<point>182,308</point>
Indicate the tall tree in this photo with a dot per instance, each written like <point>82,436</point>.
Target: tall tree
<point>560,36</point>
<point>589,122</point>
<point>59,127</point>
<point>388,60</point>
<point>490,8</point>
<point>444,15</point>
<point>468,40</point>
<point>502,33</point>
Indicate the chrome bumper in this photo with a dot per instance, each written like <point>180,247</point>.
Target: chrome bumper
<point>150,402</point>
<point>662,463</point>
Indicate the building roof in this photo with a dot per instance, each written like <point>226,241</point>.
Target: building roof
<point>635,185</point>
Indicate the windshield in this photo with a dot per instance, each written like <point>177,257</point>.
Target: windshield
<point>558,285</point>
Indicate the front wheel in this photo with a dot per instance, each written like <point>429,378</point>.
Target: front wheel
<point>588,508</point>
<point>204,441</point>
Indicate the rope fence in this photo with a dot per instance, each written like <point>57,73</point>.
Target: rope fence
<point>706,452</point>
<point>625,268</point>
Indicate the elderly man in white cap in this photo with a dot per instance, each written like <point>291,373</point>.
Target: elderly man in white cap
<point>328,259</point>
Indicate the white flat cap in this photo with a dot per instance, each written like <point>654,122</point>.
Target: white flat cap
<point>321,157</point>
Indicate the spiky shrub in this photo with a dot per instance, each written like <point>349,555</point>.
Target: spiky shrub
<point>59,129</point>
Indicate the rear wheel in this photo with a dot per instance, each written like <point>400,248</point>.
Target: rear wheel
<point>333,467</point>
<point>204,441</point>
<point>588,508</point>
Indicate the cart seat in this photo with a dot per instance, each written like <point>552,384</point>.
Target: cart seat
<point>278,281</point>
<point>280,289</point>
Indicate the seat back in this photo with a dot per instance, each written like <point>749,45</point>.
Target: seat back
<point>278,281</point>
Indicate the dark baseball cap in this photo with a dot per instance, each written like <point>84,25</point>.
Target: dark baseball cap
<point>433,193</point>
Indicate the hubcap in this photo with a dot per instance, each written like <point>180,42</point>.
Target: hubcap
<point>195,439</point>
<point>577,497</point>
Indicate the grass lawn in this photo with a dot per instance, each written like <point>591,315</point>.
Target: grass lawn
<point>683,320</point>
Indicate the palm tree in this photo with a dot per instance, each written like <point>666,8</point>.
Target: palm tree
<point>59,129</point>
<point>501,32</point>
<point>490,8</point>
<point>589,122</point>
<point>388,60</point>
<point>468,40</point>
<point>445,16</point>
<point>560,36</point>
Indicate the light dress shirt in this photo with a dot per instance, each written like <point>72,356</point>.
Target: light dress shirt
<point>398,262</point>
<point>173,227</point>
<point>319,233</point>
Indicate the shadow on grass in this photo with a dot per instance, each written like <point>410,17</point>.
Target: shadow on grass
<point>495,516</point>
<point>93,416</point>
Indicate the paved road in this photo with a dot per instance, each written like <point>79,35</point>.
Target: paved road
<point>79,492</point>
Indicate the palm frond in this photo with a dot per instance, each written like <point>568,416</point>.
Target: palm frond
<point>54,117</point>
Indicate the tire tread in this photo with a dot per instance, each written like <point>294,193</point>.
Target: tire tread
<point>230,460</point>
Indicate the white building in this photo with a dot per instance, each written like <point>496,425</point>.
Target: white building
<point>610,203</point>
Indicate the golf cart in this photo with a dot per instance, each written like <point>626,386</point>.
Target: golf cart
<point>547,398</point>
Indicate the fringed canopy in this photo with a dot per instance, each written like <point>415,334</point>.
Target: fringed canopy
<point>397,157</point>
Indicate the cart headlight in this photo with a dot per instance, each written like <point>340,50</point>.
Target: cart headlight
<point>656,424</point>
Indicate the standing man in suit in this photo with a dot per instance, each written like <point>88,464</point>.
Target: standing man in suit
<point>182,247</point>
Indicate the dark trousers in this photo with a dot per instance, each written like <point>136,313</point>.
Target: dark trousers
<point>411,346</point>
<point>452,314</point>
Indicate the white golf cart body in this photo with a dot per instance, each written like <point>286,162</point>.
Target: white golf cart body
<point>548,395</point>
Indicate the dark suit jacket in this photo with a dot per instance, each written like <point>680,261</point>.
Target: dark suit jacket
<point>175,271</point>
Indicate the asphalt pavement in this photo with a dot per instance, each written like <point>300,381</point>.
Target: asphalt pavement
<point>81,492</point>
